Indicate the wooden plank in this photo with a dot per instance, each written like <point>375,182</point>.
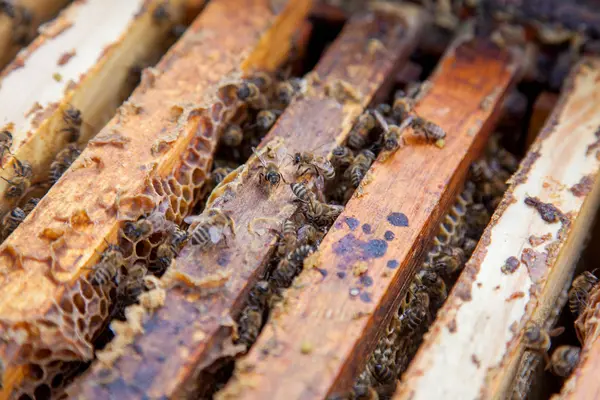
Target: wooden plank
<point>463,357</point>
<point>133,164</point>
<point>195,330</point>
<point>19,21</point>
<point>74,65</point>
<point>317,342</point>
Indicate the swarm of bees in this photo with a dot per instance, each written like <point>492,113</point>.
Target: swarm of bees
<point>458,234</point>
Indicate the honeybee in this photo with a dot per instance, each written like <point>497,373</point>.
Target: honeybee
<point>415,313</point>
<point>21,182</point>
<point>232,136</point>
<point>431,131</point>
<point>260,294</point>
<point>383,109</point>
<point>30,205</point>
<point>476,219</point>
<point>286,90</point>
<point>321,165</point>
<point>308,234</point>
<point>580,292</point>
<point>168,250</point>
<point>288,238</point>
<point>321,213</point>
<point>359,134</point>
<point>72,120</point>
<point>219,174</point>
<point>538,339</point>
<point>129,287</point>
<point>161,13</point>
<point>249,93</point>
<point>289,267</point>
<point>265,119</point>
<point>450,260</point>
<point>359,167</point>
<point>392,134</point>
<point>299,190</point>
<point>138,230</point>
<point>108,267</point>
<point>402,107</point>
<point>300,253</point>
<point>269,172</point>
<point>62,162</point>
<point>6,141</point>
<point>364,392</point>
<point>435,286</point>
<point>249,325</point>
<point>210,228</point>
<point>11,221</point>
<point>342,156</point>
<point>564,360</point>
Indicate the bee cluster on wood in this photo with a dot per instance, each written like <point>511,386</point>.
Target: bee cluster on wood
<point>458,234</point>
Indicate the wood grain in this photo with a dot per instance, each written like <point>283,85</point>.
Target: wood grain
<point>95,77</point>
<point>110,179</point>
<point>196,330</point>
<point>41,11</point>
<point>474,347</point>
<point>317,342</point>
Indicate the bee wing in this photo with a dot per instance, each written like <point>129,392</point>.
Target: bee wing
<point>193,219</point>
<point>216,233</point>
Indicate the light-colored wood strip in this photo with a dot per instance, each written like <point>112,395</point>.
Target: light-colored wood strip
<point>19,21</point>
<point>165,133</point>
<point>196,330</point>
<point>317,341</point>
<point>75,65</point>
<point>474,347</point>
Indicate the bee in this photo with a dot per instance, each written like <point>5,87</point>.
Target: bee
<point>321,165</point>
<point>300,253</point>
<point>260,294</point>
<point>392,134</point>
<point>21,182</point>
<point>269,172</point>
<point>321,213</point>
<point>12,220</point>
<point>359,167</point>
<point>415,313</point>
<point>62,162</point>
<point>476,220</point>
<point>265,119</point>
<point>580,292</point>
<point>249,325</point>
<point>219,174</point>
<point>286,90</point>
<point>138,230</point>
<point>288,238</point>
<point>308,234</point>
<point>435,285</point>
<point>30,205</point>
<point>72,120</point>
<point>210,229</point>
<point>289,267</point>
<point>383,109</point>
<point>232,136</point>
<point>357,138</point>
<point>402,107</point>
<point>364,392</point>
<point>431,131</point>
<point>161,13</point>
<point>451,260</point>
<point>168,250</point>
<point>538,339</point>
<point>6,141</point>
<point>106,270</point>
<point>129,287</point>
<point>249,93</point>
<point>299,190</point>
<point>564,360</point>
<point>342,156</point>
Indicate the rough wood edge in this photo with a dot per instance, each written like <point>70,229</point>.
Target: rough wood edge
<point>313,122</point>
<point>321,311</point>
<point>493,350</point>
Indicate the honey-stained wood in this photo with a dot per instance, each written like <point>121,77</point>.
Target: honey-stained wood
<point>475,346</point>
<point>316,343</point>
<point>144,143</point>
<point>74,64</point>
<point>196,330</point>
<point>19,21</point>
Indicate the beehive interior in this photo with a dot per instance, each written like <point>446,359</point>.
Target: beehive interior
<point>146,245</point>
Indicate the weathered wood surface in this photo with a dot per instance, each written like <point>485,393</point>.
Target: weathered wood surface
<point>474,347</point>
<point>14,33</point>
<point>317,342</point>
<point>196,330</point>
<point>74,64</point>
<point>43,259</point>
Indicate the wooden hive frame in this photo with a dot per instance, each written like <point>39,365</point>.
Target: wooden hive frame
<point>151,162</point>
<point>165,120</point>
